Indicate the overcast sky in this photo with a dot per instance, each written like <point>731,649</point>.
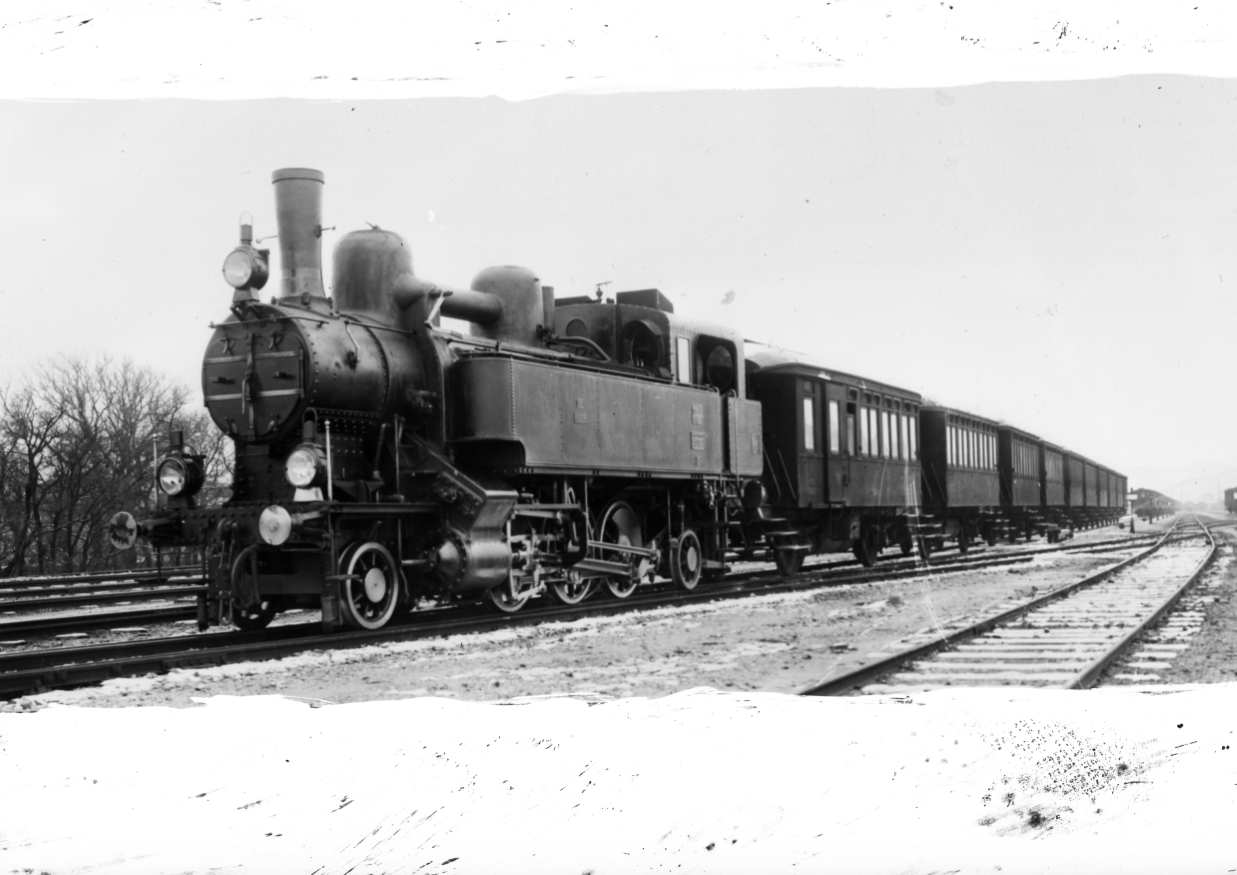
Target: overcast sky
<point>1054,254</point>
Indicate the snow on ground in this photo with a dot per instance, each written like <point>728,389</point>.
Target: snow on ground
<point>1015,781</point>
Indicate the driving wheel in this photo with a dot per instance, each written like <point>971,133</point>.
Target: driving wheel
<point>620,525</point>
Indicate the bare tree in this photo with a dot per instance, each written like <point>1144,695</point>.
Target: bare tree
<point>79,443</point>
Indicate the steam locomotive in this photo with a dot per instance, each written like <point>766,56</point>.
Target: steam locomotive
<point>560,447</point>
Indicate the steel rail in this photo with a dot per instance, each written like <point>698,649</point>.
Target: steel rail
<point>44,626</point>
<point>104,589</point>
<point>39,604</point>
<point>1091,674</point>
<point>874,670</point>
<point>96,577</point>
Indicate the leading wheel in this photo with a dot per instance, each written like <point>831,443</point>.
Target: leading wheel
<point>686,560</point>
<point>369,592</point>
<point>620,524</point>
<point>251,618</point>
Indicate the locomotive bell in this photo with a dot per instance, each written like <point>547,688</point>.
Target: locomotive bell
<point>298,212</point>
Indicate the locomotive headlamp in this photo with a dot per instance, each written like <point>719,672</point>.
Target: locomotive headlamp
<point>180,475</point>
<point>245,268</point>
<point>172,476</point>
<point>304,466</point>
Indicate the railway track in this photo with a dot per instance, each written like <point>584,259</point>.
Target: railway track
<point>1066,638</point>
<point>35,670</point>
<point>50,595</point>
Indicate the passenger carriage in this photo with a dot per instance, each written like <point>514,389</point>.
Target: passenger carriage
<point>961,482</point>
<point>842,466</point>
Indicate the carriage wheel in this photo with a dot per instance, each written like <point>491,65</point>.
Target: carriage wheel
<point>573,589</point>
<point>865,550</point>
<point>620,524</point>
<point>686,561</point>
<point>369,593</point>
<point>256,615</point>
<point>788,558</point>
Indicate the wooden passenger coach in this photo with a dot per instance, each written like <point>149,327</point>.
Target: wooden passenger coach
<point>841,457</point>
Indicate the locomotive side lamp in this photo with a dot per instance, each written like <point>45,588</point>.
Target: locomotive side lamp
<point>246,268</point>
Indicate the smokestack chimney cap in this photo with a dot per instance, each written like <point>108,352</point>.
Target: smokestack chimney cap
<point>297,173</point>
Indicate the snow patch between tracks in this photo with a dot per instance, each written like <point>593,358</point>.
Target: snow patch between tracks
<point>962,780</point>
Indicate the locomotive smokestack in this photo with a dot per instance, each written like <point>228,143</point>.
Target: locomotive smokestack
<point>298,210</point>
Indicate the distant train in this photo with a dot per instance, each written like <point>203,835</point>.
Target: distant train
<point>1151,505</point>
<point>563,446</point>
<point>1230,500</point>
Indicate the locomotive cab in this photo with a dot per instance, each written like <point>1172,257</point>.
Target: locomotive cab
<point>638,329</point>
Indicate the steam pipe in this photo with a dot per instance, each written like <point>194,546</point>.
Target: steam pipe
<point>483,308</point>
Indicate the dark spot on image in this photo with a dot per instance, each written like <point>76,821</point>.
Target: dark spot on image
<point>1122,768</point>
<point>1035,818</point>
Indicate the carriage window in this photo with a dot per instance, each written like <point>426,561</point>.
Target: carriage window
<point>914,431</point>
<point>834,441</point>
<point>683,359</point>
<point>874,428</point>
<point>850,429</point>
<point>863,431</point>
<point>885,434</point>
<point>905,445</point>
<point>893,435</point>
<point>949,444</point>
<point>809,426</point>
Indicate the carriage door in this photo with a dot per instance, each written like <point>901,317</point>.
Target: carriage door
<point>811,448</point>
<point>837,429</point>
